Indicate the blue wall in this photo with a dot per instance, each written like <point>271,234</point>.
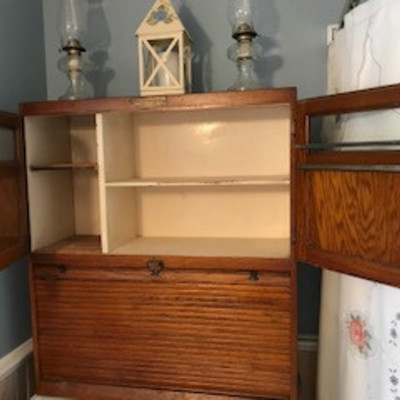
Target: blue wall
<point>294,41</point>
<point>22,78</point>
<point>293,36</point>
<point>14,307</point>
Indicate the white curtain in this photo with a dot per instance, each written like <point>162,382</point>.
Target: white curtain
<point>359,354</point>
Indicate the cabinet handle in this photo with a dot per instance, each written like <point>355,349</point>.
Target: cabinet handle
<point>254,276</point>
<point>155,267</point>
<point>54,275</point>
<point>62,269</point>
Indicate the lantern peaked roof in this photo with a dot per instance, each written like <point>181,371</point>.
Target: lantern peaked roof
<point>162,18</point>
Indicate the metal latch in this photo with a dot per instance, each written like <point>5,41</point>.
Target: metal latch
<point>254,276</point>
<point>155,267</point>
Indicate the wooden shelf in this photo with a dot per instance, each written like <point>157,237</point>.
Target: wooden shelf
<point>79,244</point>
<point>207,247</point>
<point>64,166</point>
<point>203,181</point>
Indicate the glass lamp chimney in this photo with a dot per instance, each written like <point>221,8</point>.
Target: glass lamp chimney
<point>72,22</point>
<point>241,16</point>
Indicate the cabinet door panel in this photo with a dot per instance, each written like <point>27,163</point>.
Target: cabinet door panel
<point>13,231</point>
<point>220,333</point>
<point>348,215</point>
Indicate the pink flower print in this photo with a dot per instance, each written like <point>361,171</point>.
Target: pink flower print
<point>360,337</point>
<point>358,334</point>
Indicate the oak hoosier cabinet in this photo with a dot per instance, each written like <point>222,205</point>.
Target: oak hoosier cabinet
<point>164,235</point>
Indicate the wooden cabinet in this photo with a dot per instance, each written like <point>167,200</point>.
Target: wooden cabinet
<point>164,234</point>
<point>218,332</point>
<point>160,232</point>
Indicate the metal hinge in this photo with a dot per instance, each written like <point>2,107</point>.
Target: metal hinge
<point>294,130</point>
<point>294,239</point>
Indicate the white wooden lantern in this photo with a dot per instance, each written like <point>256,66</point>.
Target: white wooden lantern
<point>164,52</point>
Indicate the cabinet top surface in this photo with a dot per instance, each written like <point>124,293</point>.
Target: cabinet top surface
<point>163,103</point>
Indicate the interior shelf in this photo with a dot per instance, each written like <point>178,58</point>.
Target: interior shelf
<point>203,181</point>
<point>78,244</point>
<point>174,246</point>
<point>64,166</point>
<point>208,247</point>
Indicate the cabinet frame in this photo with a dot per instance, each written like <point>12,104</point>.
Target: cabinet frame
<point>307,168</point>
<point>13,184</point>
<point>377,173</point>
<point>252,266</point>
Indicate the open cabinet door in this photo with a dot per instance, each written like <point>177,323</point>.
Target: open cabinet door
<point>13,214</point>
<point>348,194</point>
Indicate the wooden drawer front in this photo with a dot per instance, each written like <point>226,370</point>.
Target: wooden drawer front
<point>211,332</point>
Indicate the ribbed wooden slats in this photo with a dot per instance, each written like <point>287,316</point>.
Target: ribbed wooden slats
<point>213,333</point>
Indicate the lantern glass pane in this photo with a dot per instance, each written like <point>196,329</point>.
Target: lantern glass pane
<point>187,66</point>
<point>162,65</point>
<point>149,65</point>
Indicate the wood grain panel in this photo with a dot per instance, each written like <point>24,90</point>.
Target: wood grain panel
<point>354,215</point>
<point>13,223</point>
<point>215,332</point>
<point>10,212</point>
<point>384,97</point>
<point>163,103</point>
<point>93,392</point>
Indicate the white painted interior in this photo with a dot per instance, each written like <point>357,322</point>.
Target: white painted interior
<point>213,182</point>
<point>86,186</point>
<point>123,221</point>
<point>231,212</point>
<point>212,247</point>
<point>210,182</point>
<point>61,203</point>
<point>117,145</point>
<point>192,144</point>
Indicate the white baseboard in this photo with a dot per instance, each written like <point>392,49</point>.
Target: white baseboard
<point>16,373</point>
<point>10,362</point>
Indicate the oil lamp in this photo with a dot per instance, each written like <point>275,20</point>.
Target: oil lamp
<point>244,51</point>
<point>71,29</point>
